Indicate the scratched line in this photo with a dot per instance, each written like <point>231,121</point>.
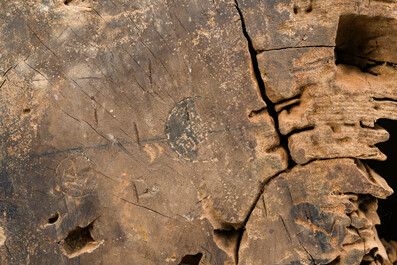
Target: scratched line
<point>70,150</point>
<point>236,129</point>
<point>100,146</point>
<point>150,140</point>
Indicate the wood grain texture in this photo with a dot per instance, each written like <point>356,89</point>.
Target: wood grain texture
<point>194,132</point>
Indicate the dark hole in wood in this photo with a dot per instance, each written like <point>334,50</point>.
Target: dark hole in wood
<point>53,218</point>
<point>335,261</point>
<point>73,2</point>
<point>368,258</point>
<point>295,10</point>
<point>191,259</point>
<point>26,111</point>
<point>256,112</point>
<point>229,240</point>
<point>387,208</point>
<point>309,9</point>
<point>365,42</point>
<point>77,239</point>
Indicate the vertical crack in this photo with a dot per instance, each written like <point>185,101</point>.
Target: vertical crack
<point>271,109</point>
<point>270,106</point>
<point>241,230</point>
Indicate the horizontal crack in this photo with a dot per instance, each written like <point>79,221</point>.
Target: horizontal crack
<point>295,47</point>
<point>384,99</point>
<point>304,129</point>
<point>378,62</point>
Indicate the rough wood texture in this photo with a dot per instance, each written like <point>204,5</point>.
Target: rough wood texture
<point>194,132</point>
<point>317,214</point>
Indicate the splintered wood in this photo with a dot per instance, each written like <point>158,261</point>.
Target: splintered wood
<point>195,132</point>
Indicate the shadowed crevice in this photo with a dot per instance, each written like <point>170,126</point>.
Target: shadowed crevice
<point>79,241</point>
<point>271,109</point>
<point>270,106</point>
<point>387,208</point>
<point>191,259</point>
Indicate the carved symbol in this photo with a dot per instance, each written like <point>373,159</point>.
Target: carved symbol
<point>184,129</point>
<point>77,176</point>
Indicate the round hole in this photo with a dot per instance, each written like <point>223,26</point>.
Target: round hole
<point>53,218</point>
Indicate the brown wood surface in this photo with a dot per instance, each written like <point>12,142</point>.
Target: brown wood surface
<point>194,132</point>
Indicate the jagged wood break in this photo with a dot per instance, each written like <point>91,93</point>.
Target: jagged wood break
<point>194,132</point>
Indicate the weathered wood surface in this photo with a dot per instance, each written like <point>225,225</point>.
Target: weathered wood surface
<point>186,132</point>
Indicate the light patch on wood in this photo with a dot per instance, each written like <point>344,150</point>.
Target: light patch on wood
<point>2,236</point>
